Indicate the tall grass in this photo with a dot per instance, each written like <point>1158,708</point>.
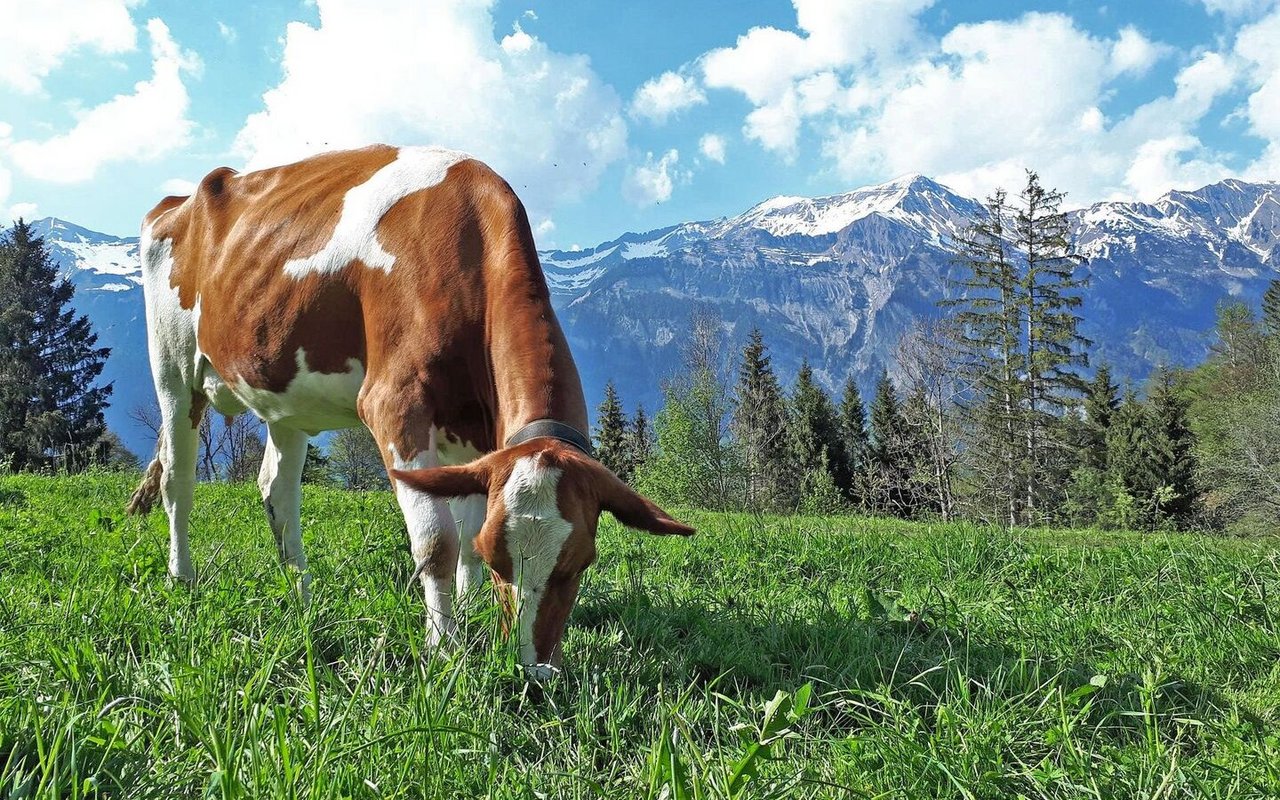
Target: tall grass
<point>798,657</point>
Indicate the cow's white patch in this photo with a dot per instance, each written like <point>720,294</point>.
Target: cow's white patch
<point>313,401</point>
<point>536,534</point>
<point>356,234</point>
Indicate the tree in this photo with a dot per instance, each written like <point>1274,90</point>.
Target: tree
<point>1271,310</point>
<point>244,447</point>
<point>112,453</point>
<point>891,462</point>
<point>1101,400</point>
<point>987,319</point>
<point>315,469</point>
<point>1128,465</point>
<point>695,464</point>
<point>355,461</point>
<point>1172,449</point>
<point>639,441</point>
<point>611,434</point>
<point>814,432</point>
<point>857,443</point>
<point>759,427</point>
<point>1050,297</point>
<point>929,365</point>
<point>50,402</point>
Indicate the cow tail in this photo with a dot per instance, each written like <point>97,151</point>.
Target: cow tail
<point>144,497</point>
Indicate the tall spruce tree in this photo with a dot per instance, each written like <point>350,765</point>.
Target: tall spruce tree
<point>857,442</point>
<point>1271,309</point>
<point>759,427</point>
<point>1054,348</point>
<point>890,460</point>
<point>611,434</point>
<point>1172,449</point>
<point>1129,465</point>
<point>814,434</point>
<point>50,403</point>
<point>987,313</point>
<point>1101,399</point>
<point>639,441</point>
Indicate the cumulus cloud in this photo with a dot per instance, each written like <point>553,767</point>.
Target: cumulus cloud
<point>653,181</point>
<point>1256,49</point>
<point>27,211</point>
<point>143,126</point>
<point>1134,53</point>
<point>36,37</point>
<point>434,73</point>
<point>712,146</point>
<point>178,186</point>
<point>771,66</point>
<point>661,97</point>
<point>987,99</point>
<point>1237,8</point>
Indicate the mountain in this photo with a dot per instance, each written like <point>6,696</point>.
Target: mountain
<point>834,279</point>
<point>838,279</point>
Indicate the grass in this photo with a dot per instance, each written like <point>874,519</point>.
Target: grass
<point>763,658</point>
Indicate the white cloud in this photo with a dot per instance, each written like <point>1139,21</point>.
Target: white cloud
<point>228,33</point>
<point>142,126</point>
<point>1164,164</point>
<point>1135,54</point>
<point>669,93</point>
<point>178,187</point>
<point>1256,49</point>
<point>421,73</point>
<point>1237,8</point>
<point>36,37</point>
<point>712,146</point>
<point>653,181</point>
<point>26,211</point>
<point>774,68</point>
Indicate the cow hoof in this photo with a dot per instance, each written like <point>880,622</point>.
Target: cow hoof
<point>541,673</point>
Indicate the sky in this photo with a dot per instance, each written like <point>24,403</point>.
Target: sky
<point>613,117</point>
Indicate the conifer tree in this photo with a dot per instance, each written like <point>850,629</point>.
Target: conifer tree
<point>814,433</point>
<point>611,434</point>
<point>857,443</point>
<point>987,329</point>
<point>1054,348</point>
<point>1172,449</point>
<point>759,427</point>
<point>639,441</point>
<point>1271,309</point>
<point>890,459</point>
<point>1101,400</point>
<point>1128,459</point>
<point>50,403</point>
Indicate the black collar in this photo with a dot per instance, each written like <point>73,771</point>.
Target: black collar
<point>550,429</point>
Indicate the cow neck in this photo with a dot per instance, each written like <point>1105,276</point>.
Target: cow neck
<point>534,375</point>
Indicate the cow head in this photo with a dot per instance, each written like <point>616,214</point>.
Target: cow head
<point>539,533</point>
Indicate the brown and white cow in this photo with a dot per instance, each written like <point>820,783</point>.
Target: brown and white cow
<point>398,287</point>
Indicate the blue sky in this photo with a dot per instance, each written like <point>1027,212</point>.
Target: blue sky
<point>609,117</point>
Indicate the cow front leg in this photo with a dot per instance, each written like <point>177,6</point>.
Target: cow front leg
<point>280,481</point>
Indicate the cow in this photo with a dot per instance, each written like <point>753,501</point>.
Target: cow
<point>399,288</point>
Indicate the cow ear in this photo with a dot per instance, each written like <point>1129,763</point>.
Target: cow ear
<point>455,481</point>
<point>632,508</point>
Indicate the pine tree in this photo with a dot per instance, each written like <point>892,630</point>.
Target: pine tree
<point>1271,309</point>
<point>890,459</point>
<point>857,443</point>
<point>1128,461</point>
<point>639,442</point>
<point>814,432</point>
<point>1054,348</point>
<point>1100,403</point>
<point>1172,449</point>
<point>50,406</point>
<point>315,469</point>
<point>759,427</point>
<point>987,331</point>
<point>611,434</point>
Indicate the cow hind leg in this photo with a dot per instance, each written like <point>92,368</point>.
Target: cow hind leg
<point>280,481</point>
<point>176,457</point>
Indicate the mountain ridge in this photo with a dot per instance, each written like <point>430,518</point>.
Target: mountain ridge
<point>833,280</point>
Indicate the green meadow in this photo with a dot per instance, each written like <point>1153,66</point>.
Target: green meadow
<point>765,657</point>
